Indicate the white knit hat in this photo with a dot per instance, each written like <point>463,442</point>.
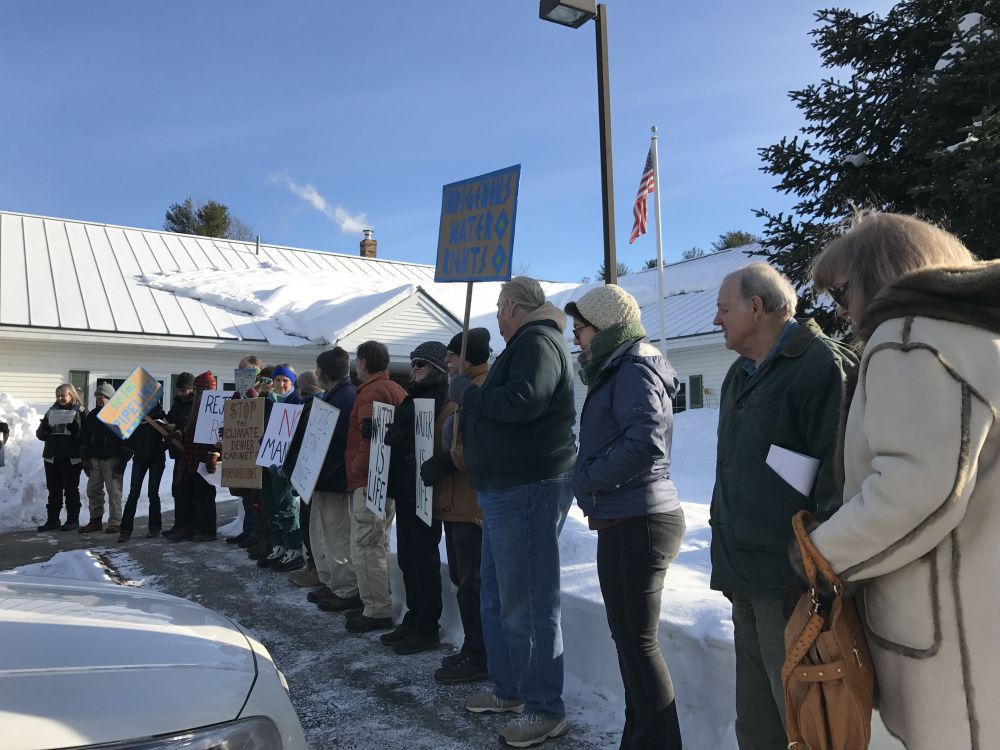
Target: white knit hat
<point>605,306</point>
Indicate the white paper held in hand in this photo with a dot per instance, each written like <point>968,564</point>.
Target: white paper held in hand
<point>796,469</point>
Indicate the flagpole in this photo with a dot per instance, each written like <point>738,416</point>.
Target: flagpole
<point>659,245</point>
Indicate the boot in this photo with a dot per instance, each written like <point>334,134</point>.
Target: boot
<point>52,522</point>
<point>95,524</point>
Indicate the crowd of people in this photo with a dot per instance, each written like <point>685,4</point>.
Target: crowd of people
<point>903,425</point>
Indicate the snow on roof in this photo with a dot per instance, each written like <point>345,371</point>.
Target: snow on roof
<point>690,291</point>
<point>58,273</point>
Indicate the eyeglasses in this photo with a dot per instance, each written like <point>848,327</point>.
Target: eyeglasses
<point>418,363</point>
<point>839,294</point>
<point>576,331</point>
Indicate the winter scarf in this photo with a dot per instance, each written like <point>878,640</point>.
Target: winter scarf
<point>603,343</point>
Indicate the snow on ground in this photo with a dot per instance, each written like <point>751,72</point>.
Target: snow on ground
<point>77,564</point>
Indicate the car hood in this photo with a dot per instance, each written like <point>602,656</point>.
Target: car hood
<point>83,663</point>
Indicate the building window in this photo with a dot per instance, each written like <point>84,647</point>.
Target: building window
<point>696,392</point>
<point>80,379</point>
<point>680,399</point>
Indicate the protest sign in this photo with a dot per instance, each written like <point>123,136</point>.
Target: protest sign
<point>132,401</point>
<point>161,427</point>
<point>423,445</point>
<point>245,380</point>
<point>208,428</point>
<point>2,460</point>
<point>60,420</point>
<point>378,461</point>
<point>243,426</point>
<point>280,429</point>
<point>476,233</point>
<point>315,443</point>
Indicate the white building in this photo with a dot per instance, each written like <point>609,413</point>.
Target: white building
<point>78,304</point>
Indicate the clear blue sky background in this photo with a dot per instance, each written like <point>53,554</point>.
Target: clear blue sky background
<point>111,111</point>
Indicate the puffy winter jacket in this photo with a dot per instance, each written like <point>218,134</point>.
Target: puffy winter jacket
<point>377,388</point>
<point>97,440</point>
<point>59,444</point>
<point>623,466</point>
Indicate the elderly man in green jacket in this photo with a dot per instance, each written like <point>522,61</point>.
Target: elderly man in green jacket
<point>784,391</point>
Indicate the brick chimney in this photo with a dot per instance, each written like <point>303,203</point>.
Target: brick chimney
<point>368,245</point>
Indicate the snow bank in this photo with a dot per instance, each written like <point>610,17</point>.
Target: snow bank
<point>77,565</point>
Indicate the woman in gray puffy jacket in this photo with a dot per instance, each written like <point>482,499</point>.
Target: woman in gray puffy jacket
<point>622,484</point>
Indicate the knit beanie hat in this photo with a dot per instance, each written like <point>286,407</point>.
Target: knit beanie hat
<point>307,383</point>
<point>279,371</point>
<point>335,363</point>
<point>184,381</point>
<point>433,352</point>
<point>105,389</point>
<point>605,306</point>
<point>205,381</point>
<point>477,348</point>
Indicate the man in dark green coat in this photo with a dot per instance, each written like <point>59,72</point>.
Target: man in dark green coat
<point>784,391</point>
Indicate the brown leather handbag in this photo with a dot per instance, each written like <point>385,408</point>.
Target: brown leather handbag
<point>827,675</point>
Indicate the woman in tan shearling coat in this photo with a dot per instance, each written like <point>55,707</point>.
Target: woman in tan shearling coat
<point>920,524</point>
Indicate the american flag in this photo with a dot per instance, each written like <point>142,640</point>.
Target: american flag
<point>645,188</point>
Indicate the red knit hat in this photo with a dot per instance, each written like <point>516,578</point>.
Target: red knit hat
<point>205,381</point>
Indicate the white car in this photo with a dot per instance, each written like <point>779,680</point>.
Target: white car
<point>98,665</point>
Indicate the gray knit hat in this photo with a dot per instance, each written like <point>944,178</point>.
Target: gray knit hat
<point>605,306</point>
<point>433,352</point>
<point>105,389</point>
<point>184,381</point>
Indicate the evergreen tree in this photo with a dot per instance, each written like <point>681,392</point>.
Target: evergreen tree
<point>623,270</point>
<point>693,252</point>
<point>180,218</point>
<point>211,219</point>
<point>732,238</point>
<point>915,129</point>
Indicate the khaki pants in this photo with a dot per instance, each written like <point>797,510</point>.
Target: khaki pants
<point>370,552</point>
<point>330,535</point>
<point>102,475</point>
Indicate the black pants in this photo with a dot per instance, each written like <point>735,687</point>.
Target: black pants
<point>420,563</point>
<point>304,526</point>
<point>632,560</point>
<point>62,477</point>
<point>194,505</point>
<point>139,469</point>
<point>464,542</point>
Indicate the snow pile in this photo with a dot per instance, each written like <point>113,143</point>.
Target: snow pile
<point>22,479</point>
<point>77,565</point>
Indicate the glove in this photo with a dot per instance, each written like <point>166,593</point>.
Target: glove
<point>73,428</point>
<point>436,468</point>
<point>366,428</point>
<point>119,468</point>
<point>86,468</point>
<point>275,469</point>
<point>457,388</point>
<point>393,434</point>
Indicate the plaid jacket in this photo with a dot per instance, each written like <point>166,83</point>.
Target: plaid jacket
<point>192,454</point>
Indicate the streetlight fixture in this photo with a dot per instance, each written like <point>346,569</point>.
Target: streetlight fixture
<point>575,13</point>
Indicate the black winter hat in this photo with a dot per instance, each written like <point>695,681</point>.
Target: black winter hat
<point>185,380</point>
<point>477,348</point>
<point>434,352</point>
<point>335,363</point>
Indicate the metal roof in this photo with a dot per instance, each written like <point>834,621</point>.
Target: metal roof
<point>60,273</point>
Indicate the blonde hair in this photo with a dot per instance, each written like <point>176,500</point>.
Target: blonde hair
<point>875,249</point>
<point>74,394</point>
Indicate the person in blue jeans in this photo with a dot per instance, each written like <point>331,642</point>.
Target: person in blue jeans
<point>622,484</point>
<point>520,450</point>
<point>149,457</point>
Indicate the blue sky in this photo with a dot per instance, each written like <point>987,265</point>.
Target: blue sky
<point>111,111</point>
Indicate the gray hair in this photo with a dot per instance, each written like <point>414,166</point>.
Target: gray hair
<point>523,292</point>
<point>758,279</point>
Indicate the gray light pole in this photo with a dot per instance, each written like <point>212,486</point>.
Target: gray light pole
<point>575,13</point>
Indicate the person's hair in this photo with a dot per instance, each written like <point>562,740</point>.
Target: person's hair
<point>875,249</point>
<point>376,356</point>
<point>433,376</point>
<point>74,394</point>
<point>523,292</point>
<point>307,383</point>
<point>254,361</point>
<point>266,371</point>
<point>758,279</point>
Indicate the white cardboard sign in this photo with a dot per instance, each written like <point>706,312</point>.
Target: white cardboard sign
<point>245,380</point>
<point>378,461</point>
<point>278,435</point>
<point>315,443</point>
<point>798,470</point>
<point>60,420</point>
<point>208,428</point>
<point>423,446</point>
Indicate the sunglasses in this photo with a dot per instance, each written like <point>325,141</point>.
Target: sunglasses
<point>416,363</point>
<point>839,294</point>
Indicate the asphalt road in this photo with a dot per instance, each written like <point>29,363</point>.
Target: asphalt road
<point>350,691</point>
